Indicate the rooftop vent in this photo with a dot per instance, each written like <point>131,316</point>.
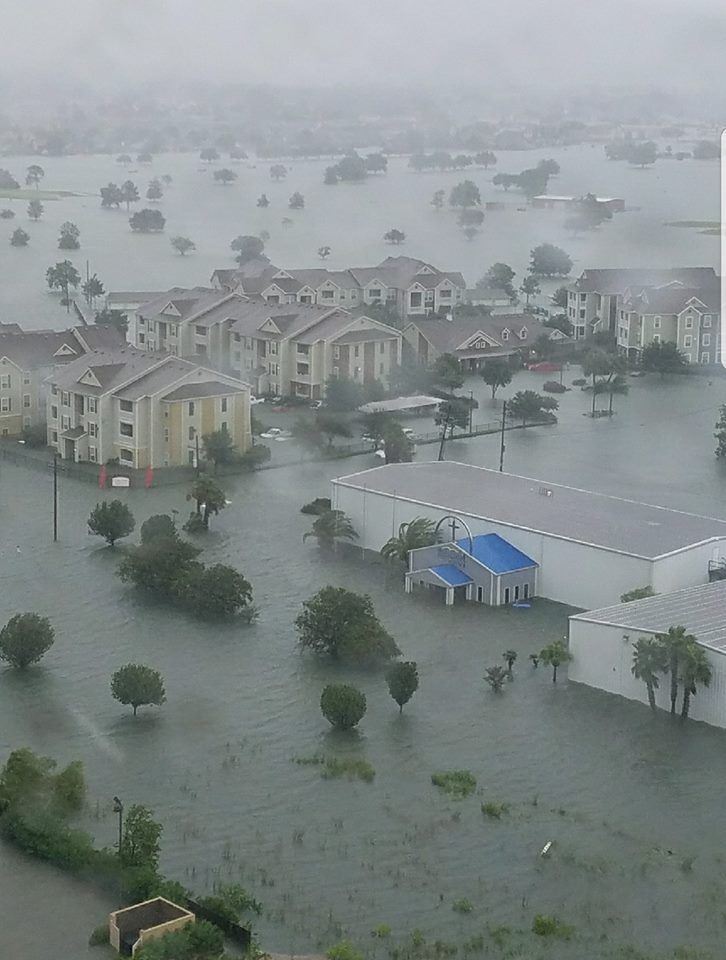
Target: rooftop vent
<point>545,491</point>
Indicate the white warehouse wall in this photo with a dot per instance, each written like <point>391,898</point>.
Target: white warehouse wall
<point>602,659</point>
<point>687,568</point>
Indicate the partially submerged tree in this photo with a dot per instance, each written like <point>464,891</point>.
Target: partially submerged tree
<point>138,686</point>
<point>25,639</point>
<point>141,836</point>
<point>112,520</point>
<point>68,238</point>
<point>402,680</point>
<point>417,533</point>
<point>554,655</point>
<point>394,236</point>
<point>495,677</point>
<point>330,527</point>
<point>34,175</point>
<point>649,660</point>
<point>209,498</point>
<point>527,405</point>
<point>19,237</point>
<point>342,705</point>
<point>219,448</point>
<point>35,210</point>
<point>92,289</point>
<point>496,374</point>
<point>547,260</point>
<point>247,248</point>
<point>225,176</point>
<point>158,526</point>
<point>343,625</point>
<point>147,221</point>
<point>183,245</point>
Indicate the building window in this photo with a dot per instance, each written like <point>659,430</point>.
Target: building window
<point>192,433</point>
<point>126,455</point>
<point>92,430</point>
<point>689,323</point>
<point>142,321</point>
<point>445,294</point>
<point>705,357</point>
<point>191,408</point>
<point>336,372</point>
<point>327,294</point>
<point>342,294</point>
<point>656,338</point>
<point>192,459</point>
<point>92,405</point>
<point>303,348</point>
<point>223,426</point>
<point>336,353</point>
<point>92,454</point>
<point>656,323</point>
<point>126,405</point>
<point>65,423</point>
<point>26,380</point>
<point>381,368</point>
<point>356,350</point>
<point>303,369</point>
<point>126,429</point>
<point>54,413</point>
<point>26,400</point>
<point>707,339</point>
<point>429,296</point>
<point>707,321</point>
<point>4,404</point>
<point>66,399</point>
<point>583,297</point>
<point>382,347</point>
<point>505,335</point>
<point>415,300</point>
<point>142,338</point>
<point>166,434</point>
<point>54,436</point>
<point>376,293</point>
<point>687,340</point>
<point>5,381</point>
<point>200,331</point>
<point>523,333</point>
<point>224,404</point>
<point>582,314</point>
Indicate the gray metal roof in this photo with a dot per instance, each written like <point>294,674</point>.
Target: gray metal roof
<point>701,610</point>
<point>611,523</point>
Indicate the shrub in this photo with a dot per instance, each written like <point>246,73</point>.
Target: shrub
<point>99,935</point>
<point>552,386</point>
<point>158,525</point>
<point>69,788</point>
<point>317,506</point>
<point>494,810</point>
<point>343,625</point>
<point>25,639</point>
<point>343,951</point>
<point>545,926</point>
<point>457,783</point>
<point>462,906</point>
<point>254,457</point>
<point>342,705</point>
<point>381,931</point>
<point>111,520</point>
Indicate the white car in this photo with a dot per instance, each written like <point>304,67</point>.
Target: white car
<point>409,432</point>
<point>272,434</point>
<point>255,400</point>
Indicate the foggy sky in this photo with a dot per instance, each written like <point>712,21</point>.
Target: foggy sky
<point>523,43</point>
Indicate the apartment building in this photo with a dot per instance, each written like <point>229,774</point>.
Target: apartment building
<point>595,299</point>
<point>688,317</point>
<point>28,357</point>
<point>143,409</point>
<point>472,340</point>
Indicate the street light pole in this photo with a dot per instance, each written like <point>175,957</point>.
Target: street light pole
<point>501,446</point>
<point>55,497</point>
<point>118,808</point>
<point>471,409</point>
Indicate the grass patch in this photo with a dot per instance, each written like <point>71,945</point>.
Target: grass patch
<point>35,194</point>
<point>545,926</point>
<point>382,931</point>
<point>499,934</point>
<point>495,810</point>
<point>99,935</point>
<point>332,768</point>
<point>462,906</point>
<point>707,224</point>
<point>457,783</point>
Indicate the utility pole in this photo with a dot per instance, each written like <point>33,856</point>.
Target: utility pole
<point>196,443</point>
<point>502,448</point>
<point>471,409</point>
<point>55,497</point>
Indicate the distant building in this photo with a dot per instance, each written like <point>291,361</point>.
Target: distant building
<point>144,409</point>
<point>472,340</point>
<point>613,204</point>
<point>690,317</point>
<point>27,358</point>
<point>495,299</point>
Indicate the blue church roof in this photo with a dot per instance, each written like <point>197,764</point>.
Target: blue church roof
<point>496,553</point>
<point>451,574</point>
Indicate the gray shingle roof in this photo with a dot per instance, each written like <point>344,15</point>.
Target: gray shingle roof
<point>701,610</point>
<point>37,348</point>
<point>611,523</point>
<point>110,368</point>
<point>447,335</point>
<point>616,280</point>
<point>207,388</point>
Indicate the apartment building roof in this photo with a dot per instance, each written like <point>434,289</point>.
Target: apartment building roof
<point>109,368</point>
<point>33,349</point>
<point>207,388</point>
<point>674,298</point>
<point>185,301</point>
<point>289,317</point>
<point>617,280</point>
<point>448,336</point>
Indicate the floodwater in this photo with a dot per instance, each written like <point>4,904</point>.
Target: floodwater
<point>633,803</point>
<point>350,218</point>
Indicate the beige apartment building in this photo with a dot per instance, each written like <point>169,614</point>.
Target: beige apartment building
<point>688,317</point>
<point>472,340</point>
<point>143,409</point>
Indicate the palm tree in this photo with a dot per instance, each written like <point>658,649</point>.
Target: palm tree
<point>674,643</point>
<point>417,533</point>
<point>554,655</point>
<point>331,526</point>
<point>534,657</point>
<point>616,384</point>
<point>510,656</point>
<point>495,677</point>
<point>695,669</point>
<point>209,497</point>
<point>649,659</point>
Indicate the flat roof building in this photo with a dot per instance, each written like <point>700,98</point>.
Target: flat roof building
<point>590,547</point>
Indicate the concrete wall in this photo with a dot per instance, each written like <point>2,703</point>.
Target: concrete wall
<point>687,568</point>
<point>569,572</point>
<point>601,658</point>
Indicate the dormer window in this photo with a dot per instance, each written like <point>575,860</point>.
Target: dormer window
<point>505,335</point>
<point>523,333</point>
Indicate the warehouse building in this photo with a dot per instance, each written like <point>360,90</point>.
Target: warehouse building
<point>589,548</point>
<point>602,643</point>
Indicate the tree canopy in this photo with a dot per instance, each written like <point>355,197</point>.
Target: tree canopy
<point>496,374</point>
<point>343,625</point>
<point>112,520</point>
<point>25,639</point>
<point>138,686</point>
<point>402,680</point>
<point>547,260</point>
<point>147,221</point>
<point>342,705</point>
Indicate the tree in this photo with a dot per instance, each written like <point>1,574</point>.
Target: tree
<point>183,245</point>
<point>695,671</point>
<point>219,448</point>
<point>247,248</point>
<point>343,625</point>
<point>154,191</point>
<point>113,318</point>
<point>495,677</point>
<point>559,298</point>
<point>397,445</point>
<point>496,374</point>
<point>123,158</point>
<point>639,593</point>
<point>510,656</point>
<point>402,680</point>
<point>8,181</point>
<point>533,182</point>
<point>278,171</point>
<point>306,433</point>
<point>343,394</point>
<point>720,434</point>
<point>34,175</point>
<point>111,520</point>
<point>209,498</point>
<point>470,217</point>
<point>209,154</point>
<point>19,237</point>
<point>25,639</point>
<point>465,194</point>
<point>237,153</point>
<point>263,201</point>
<point>376,163</point>
<point>597,364</point>
<point>296,201</point>
<point>446,371</point>
<point>485,159</point>
<point>62,276</point>
<point>140,843</point>
<point>351,168</point>
<point>332,425</point>
<point>92,289</point>
<point>129,193</point>
<point>505,180</point>
<point>331,526</point>
<point>527,405</point>
<point>214,592</point>
<point>707,150</point>
<point>159,565</point>
<point>68,238</point>
<point>530,287</point>
<point>158,526</point>
<point>550,167</point>
<point>394,236</point>
<point>147,221</point>
<point>674,644</point>
<point>35,210</point>
<point>649,659</point>
<point>554,655</point>
<point>342,705</point>
<point>419,532</point>
<point>642,154</point>
<point>437,201</point>
<point>324,252</point>
<point>138,686</point>
<point>663,358</point>
<point>7,214</point>
<point>225,176</point>
<point>499,276</point>
<point>546,260</point>
<point>112,196</point>
<point>144,157</point>
<point>331,176</point>
<point>617,384</point>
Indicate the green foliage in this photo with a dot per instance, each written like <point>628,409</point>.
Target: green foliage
<point>554,655</point>
<point>510,657</point>
<point>147,221</point>
<point>639,593</point>
<point>68,238</point>
<point>296,201</point>
<point>465,194</point>
<point>209,498</point>
<point>113,318</point>
<point>402,680</point>
<point>214,592</point>
<point>183,245</point>
<point>547,260</point>
<point>528,405</point>
<point>333,768</point>
<point>112,520</point>
<point>343,951</point>
<point>494,810</point>
<point>663,358</point>
<point>331,526</point>
<point>44,836</point>
<point>69,788</point>
<point>343,625</point>
<point>19,237</point>
<point>219,447</point>
<point>495,677</point>
<point>138,685</point>
<point>247,248</point>
<point>317,506</point>
<point>92,289</point>
<point>499,277</point>
<point>496,374</point>
<point>342,394</point>
<point>457,783</point>
<point>62,276</point>
<point>159,565</point>
<point>530,287</point>
<point>381,931</point>
<point>398,446</point>
<point>332,425</point>
<point>254,457</point>
<point>546,926</point>
<point>141,841</point>
<point>25,639</point>
<point>111,196</point>
<point>99,935</point>
<point>394,236</point>
<point>342,705</point>
<point>720,434</point>
<point>158,526</point>
<point>197,941</point>
<point>462,906</point>
<point>446,372</point>
<point>225,176</point>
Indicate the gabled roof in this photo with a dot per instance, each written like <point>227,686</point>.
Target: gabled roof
<point>495,553</point>
<point>293,317</point>
<point>674,298</point>
<point>448,336</point>
<point>451,575</point>
<point>206,388</point>
<point>111,368</point>
<point>40,348</point>
<point>617,280</point>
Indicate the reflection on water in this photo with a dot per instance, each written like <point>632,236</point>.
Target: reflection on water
<point>632,802</point>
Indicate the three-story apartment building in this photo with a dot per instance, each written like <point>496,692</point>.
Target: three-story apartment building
<point>688,317</point>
